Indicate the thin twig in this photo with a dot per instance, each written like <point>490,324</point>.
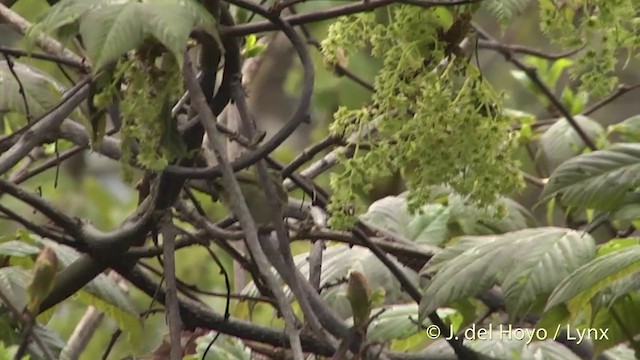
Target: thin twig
<point>42,56</point>
<point>173,309</point>
<point>18,315</point>
<point>368,5</point>
<point>10,65</point>
<point>621,90</point>
<point>239,206</point>
<point>519,49</point>
<point>43,128</point>
<point>532,74</point>
<point>45,42</point>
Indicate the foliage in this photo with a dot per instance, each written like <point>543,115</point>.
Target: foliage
<point>607,23</point>
<point>457,242</point>
<point>110,29</point>
<point>413,105</point>
<point>140,113</point>
<point>506,10</point>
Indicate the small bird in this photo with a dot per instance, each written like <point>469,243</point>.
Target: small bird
<point>254,195</point>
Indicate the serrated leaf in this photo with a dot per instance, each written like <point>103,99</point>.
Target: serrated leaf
<point>111,31</point>
<point>436,223</point>
<point>512,344</point>
<point>505,10</point>
<point>561,142</point>
<point>13,284</point>
<point>106,298</point>
<point>475,221</point>
<point>63,13</point>
<point>624,286</point>
<point>49,338</point>
<point>464,274</point>
<point>619,318</point>
<point>337,262</point>
<point>621,352</point>
<point>111,28</point>
<point>597,180</point>
<point>548,350</point>
<point>17,248</point>
<point>171,22</point>
<point>225,348</point>
<point>581,285</point>
<point>40,90</point>
<point>396,322</point>
<point>104,294</point>
<point>427,227</point>
<point>527,263</point>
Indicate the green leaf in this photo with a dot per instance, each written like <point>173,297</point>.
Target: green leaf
<point>524,80</point>
<point>251,47</point>
<point>561,142</point>
<point>624,309</point>
<point>104,294</point>
<point>171,23</point>
<point>198,16</point>
<point>253,52</point>
<point>614,245</point>
<point>436,223</point>
<point>471,220</point>
<point>41,91</point>
<point>250,41</point>
<point>427,227</point>
<point>337,262</point>
<point>505,10</point>
<point>556,71</point>
<point>60,15</point>
<point>629,129</point>
<point>395,322</point>
<point>580,100</point>
<point>512,344</point>
<point>225,348</point>
<point>567,98</point>
<point>8,352</point>
<point>621,352</point>
<point>110,31</point>
<point>527,263</point>
<point>13,284</point>
<point>628,209</point>
<point>587,280</point>
<point>597,180</point>
<point>18,249</point>
<point>8,333</point>
<point>445,17</point>
<point>50,338</point>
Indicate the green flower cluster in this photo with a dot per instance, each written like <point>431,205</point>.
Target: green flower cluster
<point>603,26</point>
<point>437,127</point>
<point>147,123</point>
